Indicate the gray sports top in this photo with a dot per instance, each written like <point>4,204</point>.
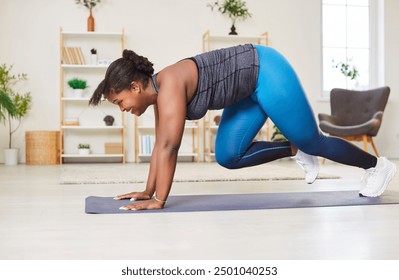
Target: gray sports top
<point>225,76</point>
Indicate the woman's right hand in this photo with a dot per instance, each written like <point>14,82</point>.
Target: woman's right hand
<point>133,196</point>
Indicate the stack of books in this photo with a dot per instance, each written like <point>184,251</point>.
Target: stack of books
<point>72,55</point>
<point>146,144</point>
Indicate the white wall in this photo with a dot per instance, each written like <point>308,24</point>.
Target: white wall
<point>388,138</point>
<point>166,31</point>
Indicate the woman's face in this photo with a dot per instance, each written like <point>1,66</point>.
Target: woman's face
<point>128,100</point>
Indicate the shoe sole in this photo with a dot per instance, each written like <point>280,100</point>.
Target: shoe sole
<point>386,182</point>
<point>315,173</point>
<point>313,178</point>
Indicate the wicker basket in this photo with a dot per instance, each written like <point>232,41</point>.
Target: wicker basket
<point>42,147</point>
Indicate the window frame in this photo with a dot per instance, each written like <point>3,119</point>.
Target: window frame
<point>376,46</point>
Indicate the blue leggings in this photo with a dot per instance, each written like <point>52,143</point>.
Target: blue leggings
<point>278,95</point>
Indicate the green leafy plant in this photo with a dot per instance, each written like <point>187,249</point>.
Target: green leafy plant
<point>234,9</point>
<point>88,3</point>
<point>83,146</point>
<point>347,70</point>
<point>277,135</point>
<point>77,83</point>
<point>20,102</point>
<point>7,108</point>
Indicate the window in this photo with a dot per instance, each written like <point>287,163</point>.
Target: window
<point>346,40</point>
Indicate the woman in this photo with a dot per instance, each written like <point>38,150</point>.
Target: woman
<point>251,83</point>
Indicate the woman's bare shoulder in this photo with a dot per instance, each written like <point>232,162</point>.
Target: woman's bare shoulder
<point>183,75</point>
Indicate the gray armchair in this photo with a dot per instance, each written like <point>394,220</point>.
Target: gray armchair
<point>355,115</point>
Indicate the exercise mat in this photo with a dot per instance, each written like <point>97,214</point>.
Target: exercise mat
<point>226,202</point>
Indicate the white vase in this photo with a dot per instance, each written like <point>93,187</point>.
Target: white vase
<point>11,156</point>
<point>93,59</point>
<point>84,152</point>
<point>78,93</point>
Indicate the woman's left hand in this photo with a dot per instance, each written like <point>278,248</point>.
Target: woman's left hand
<point>144,205</point>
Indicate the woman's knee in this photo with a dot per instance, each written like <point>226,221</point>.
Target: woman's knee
<point>225,159</point>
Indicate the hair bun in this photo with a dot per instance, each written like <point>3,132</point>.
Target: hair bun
<point>128,54</point>
<point>141,63</point>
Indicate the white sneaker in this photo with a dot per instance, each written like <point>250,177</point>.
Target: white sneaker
<point>378,177</point>
<point>309,164</point>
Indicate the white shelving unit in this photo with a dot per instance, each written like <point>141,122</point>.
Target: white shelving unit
<point>69,66</point>
<point>211,42</point>
<point>89,127</point>
<point>144,129</point>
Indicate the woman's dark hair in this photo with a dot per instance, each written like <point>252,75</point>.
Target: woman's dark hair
<point>121,73</point>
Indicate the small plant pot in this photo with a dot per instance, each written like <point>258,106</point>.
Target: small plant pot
<point>84,152</point>
<point>11,156</point>
<point>78,93</point>
<point>233,30</point>
<point>93,59</point>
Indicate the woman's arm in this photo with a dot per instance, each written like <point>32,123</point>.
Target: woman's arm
<point>171,128</point>
<point>151,180</point>
<point>171,105</point>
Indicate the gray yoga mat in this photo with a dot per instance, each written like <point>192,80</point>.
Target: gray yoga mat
<point>225,202</point>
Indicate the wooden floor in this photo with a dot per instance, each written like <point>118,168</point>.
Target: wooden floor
<point>41,219</point>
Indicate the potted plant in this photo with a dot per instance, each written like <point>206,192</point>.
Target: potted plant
<point>78,86</point>
<point>93,56</point>
<point>277,136</point>
<point>84,149</point>
<point>6,106</point>
<point>7,109</point>
<point>90,4</point>
<point>349,71</point>
<point>13,106</point>
<point>234,9</point>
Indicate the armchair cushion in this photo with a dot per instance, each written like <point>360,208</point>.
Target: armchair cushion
<point>355,113</point>
<point>332,126</point>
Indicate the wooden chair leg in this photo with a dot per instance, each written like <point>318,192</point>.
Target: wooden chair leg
<point>365,143</point>
<point>374,146</point>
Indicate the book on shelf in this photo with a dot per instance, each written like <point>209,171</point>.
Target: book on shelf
<point>72,55</point>
<point>146,144</point>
